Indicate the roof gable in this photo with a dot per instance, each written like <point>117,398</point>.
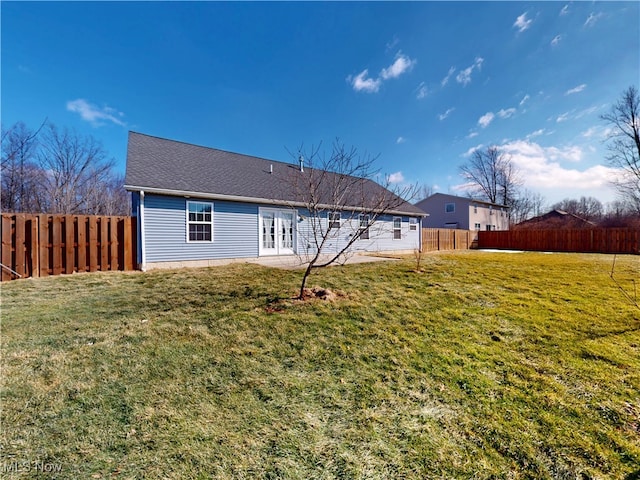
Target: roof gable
<point>172,167</point>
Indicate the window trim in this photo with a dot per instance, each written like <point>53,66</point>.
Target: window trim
<point>331,218</point>
<point>363,231</point>
<point>450,204</point>
<point>397,229</point>
<point>198,222</point>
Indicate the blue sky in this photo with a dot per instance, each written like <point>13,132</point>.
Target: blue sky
<point>420,84</point>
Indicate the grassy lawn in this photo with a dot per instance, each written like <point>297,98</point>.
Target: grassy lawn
<point>485,365</point>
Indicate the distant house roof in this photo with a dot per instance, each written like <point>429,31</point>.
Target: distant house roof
<point>466,199</point>
<point>163,166</point>
<point>556,219</point>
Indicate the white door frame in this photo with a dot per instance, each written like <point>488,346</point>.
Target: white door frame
<point>277,244</point>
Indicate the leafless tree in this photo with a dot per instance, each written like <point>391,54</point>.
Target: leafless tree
<point>587,208</point>
<point>342,203</point>
<point>624,144</point>
<point>425,191</point>
<point>492,175</point>
<point>21,176</point>
<point>526,205</point>
<point>76,169</point>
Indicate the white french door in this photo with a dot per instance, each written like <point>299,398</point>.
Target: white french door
<point>277,231</point>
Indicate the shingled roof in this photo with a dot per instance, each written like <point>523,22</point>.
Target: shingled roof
<point>163,166</point>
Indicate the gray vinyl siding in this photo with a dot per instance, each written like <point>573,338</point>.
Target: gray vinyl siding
<point>235,230</point>
<point>380,235</point>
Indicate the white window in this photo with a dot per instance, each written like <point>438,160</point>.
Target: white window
<point>397,228</point>
<point>413,223</point>
<point>334,219</point>
<point>449,207</point>
<point>477,226</point>
<point>363,226</point>
<point>475,209</point>
<point>199,222</point>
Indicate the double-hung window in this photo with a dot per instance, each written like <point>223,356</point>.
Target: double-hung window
<point>199,221</point>
<point>334,219</point>
<point>413,223</point>
<point>397,228</point>
<point>449,207</point>
<point>363,226</point>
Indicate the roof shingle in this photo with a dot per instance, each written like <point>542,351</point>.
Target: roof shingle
<point>170,166</point>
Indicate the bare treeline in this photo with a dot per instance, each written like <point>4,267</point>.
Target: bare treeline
<point>52,170</point>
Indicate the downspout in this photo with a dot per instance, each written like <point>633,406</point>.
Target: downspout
<point>143,250</point>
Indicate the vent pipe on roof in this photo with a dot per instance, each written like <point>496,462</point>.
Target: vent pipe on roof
<point>271,168</point>
<point>301,163</point>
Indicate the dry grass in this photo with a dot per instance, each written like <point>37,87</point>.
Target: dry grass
<point>483,366</point>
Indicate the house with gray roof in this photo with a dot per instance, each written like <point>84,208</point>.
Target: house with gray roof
<point>451,211</point>
<point>196,205</point>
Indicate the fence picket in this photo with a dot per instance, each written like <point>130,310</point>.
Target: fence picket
<point>38,245</point>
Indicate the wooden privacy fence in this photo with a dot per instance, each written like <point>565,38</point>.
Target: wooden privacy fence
<point>597,240</point>
<point>447,239</point>
<point>42,245</point>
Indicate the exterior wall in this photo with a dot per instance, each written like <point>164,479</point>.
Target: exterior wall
<point>466,215</point>
<point>381,235</point>
<point>481,213</point>
<point>439,218</point>
<point>236,232</point>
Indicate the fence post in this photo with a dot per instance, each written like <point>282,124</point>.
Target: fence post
<point>7,221</point>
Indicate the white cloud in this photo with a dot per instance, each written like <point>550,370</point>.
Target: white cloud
<point>464,76</point>
<point>422,91</point>
<point>563,117</point>
<point>486,119</point>
<point>524,99</point>
<point>400,140</point>
<point>398,67</point>
<point>577,89</point>
<point>95,115</point>
<point>472,134</point>
<point>522,23</point>
<point>592,19</point>
<point>537,133</point>
<point>556,40</point>
<point>363,83</point>
<point>446,114</point>
<point>509,112</point>
<point>469,152</point>
<point>542,168</point>
<point>396,178</point>
<point>446,79</point>
<point>565,10</point>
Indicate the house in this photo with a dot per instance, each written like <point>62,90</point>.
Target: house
<point>449,211</point>
<point>555,220</point>
<point>196,205</point>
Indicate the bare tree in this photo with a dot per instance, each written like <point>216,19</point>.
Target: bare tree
<point>342,202</point>
<point>76,169</point>
<point>492,175</point>
<point>526,205</point>
<point>425,191</point>
<point>587,208</point>
<point>624,144</point>
<point>21,175</point>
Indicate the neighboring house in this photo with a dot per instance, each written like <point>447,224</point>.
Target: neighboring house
<point>555,220</point>
<point>449,211</point>
<point>195,205</point>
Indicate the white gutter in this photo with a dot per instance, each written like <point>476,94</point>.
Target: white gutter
<point>143,250</point>
<point>239,198</point>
